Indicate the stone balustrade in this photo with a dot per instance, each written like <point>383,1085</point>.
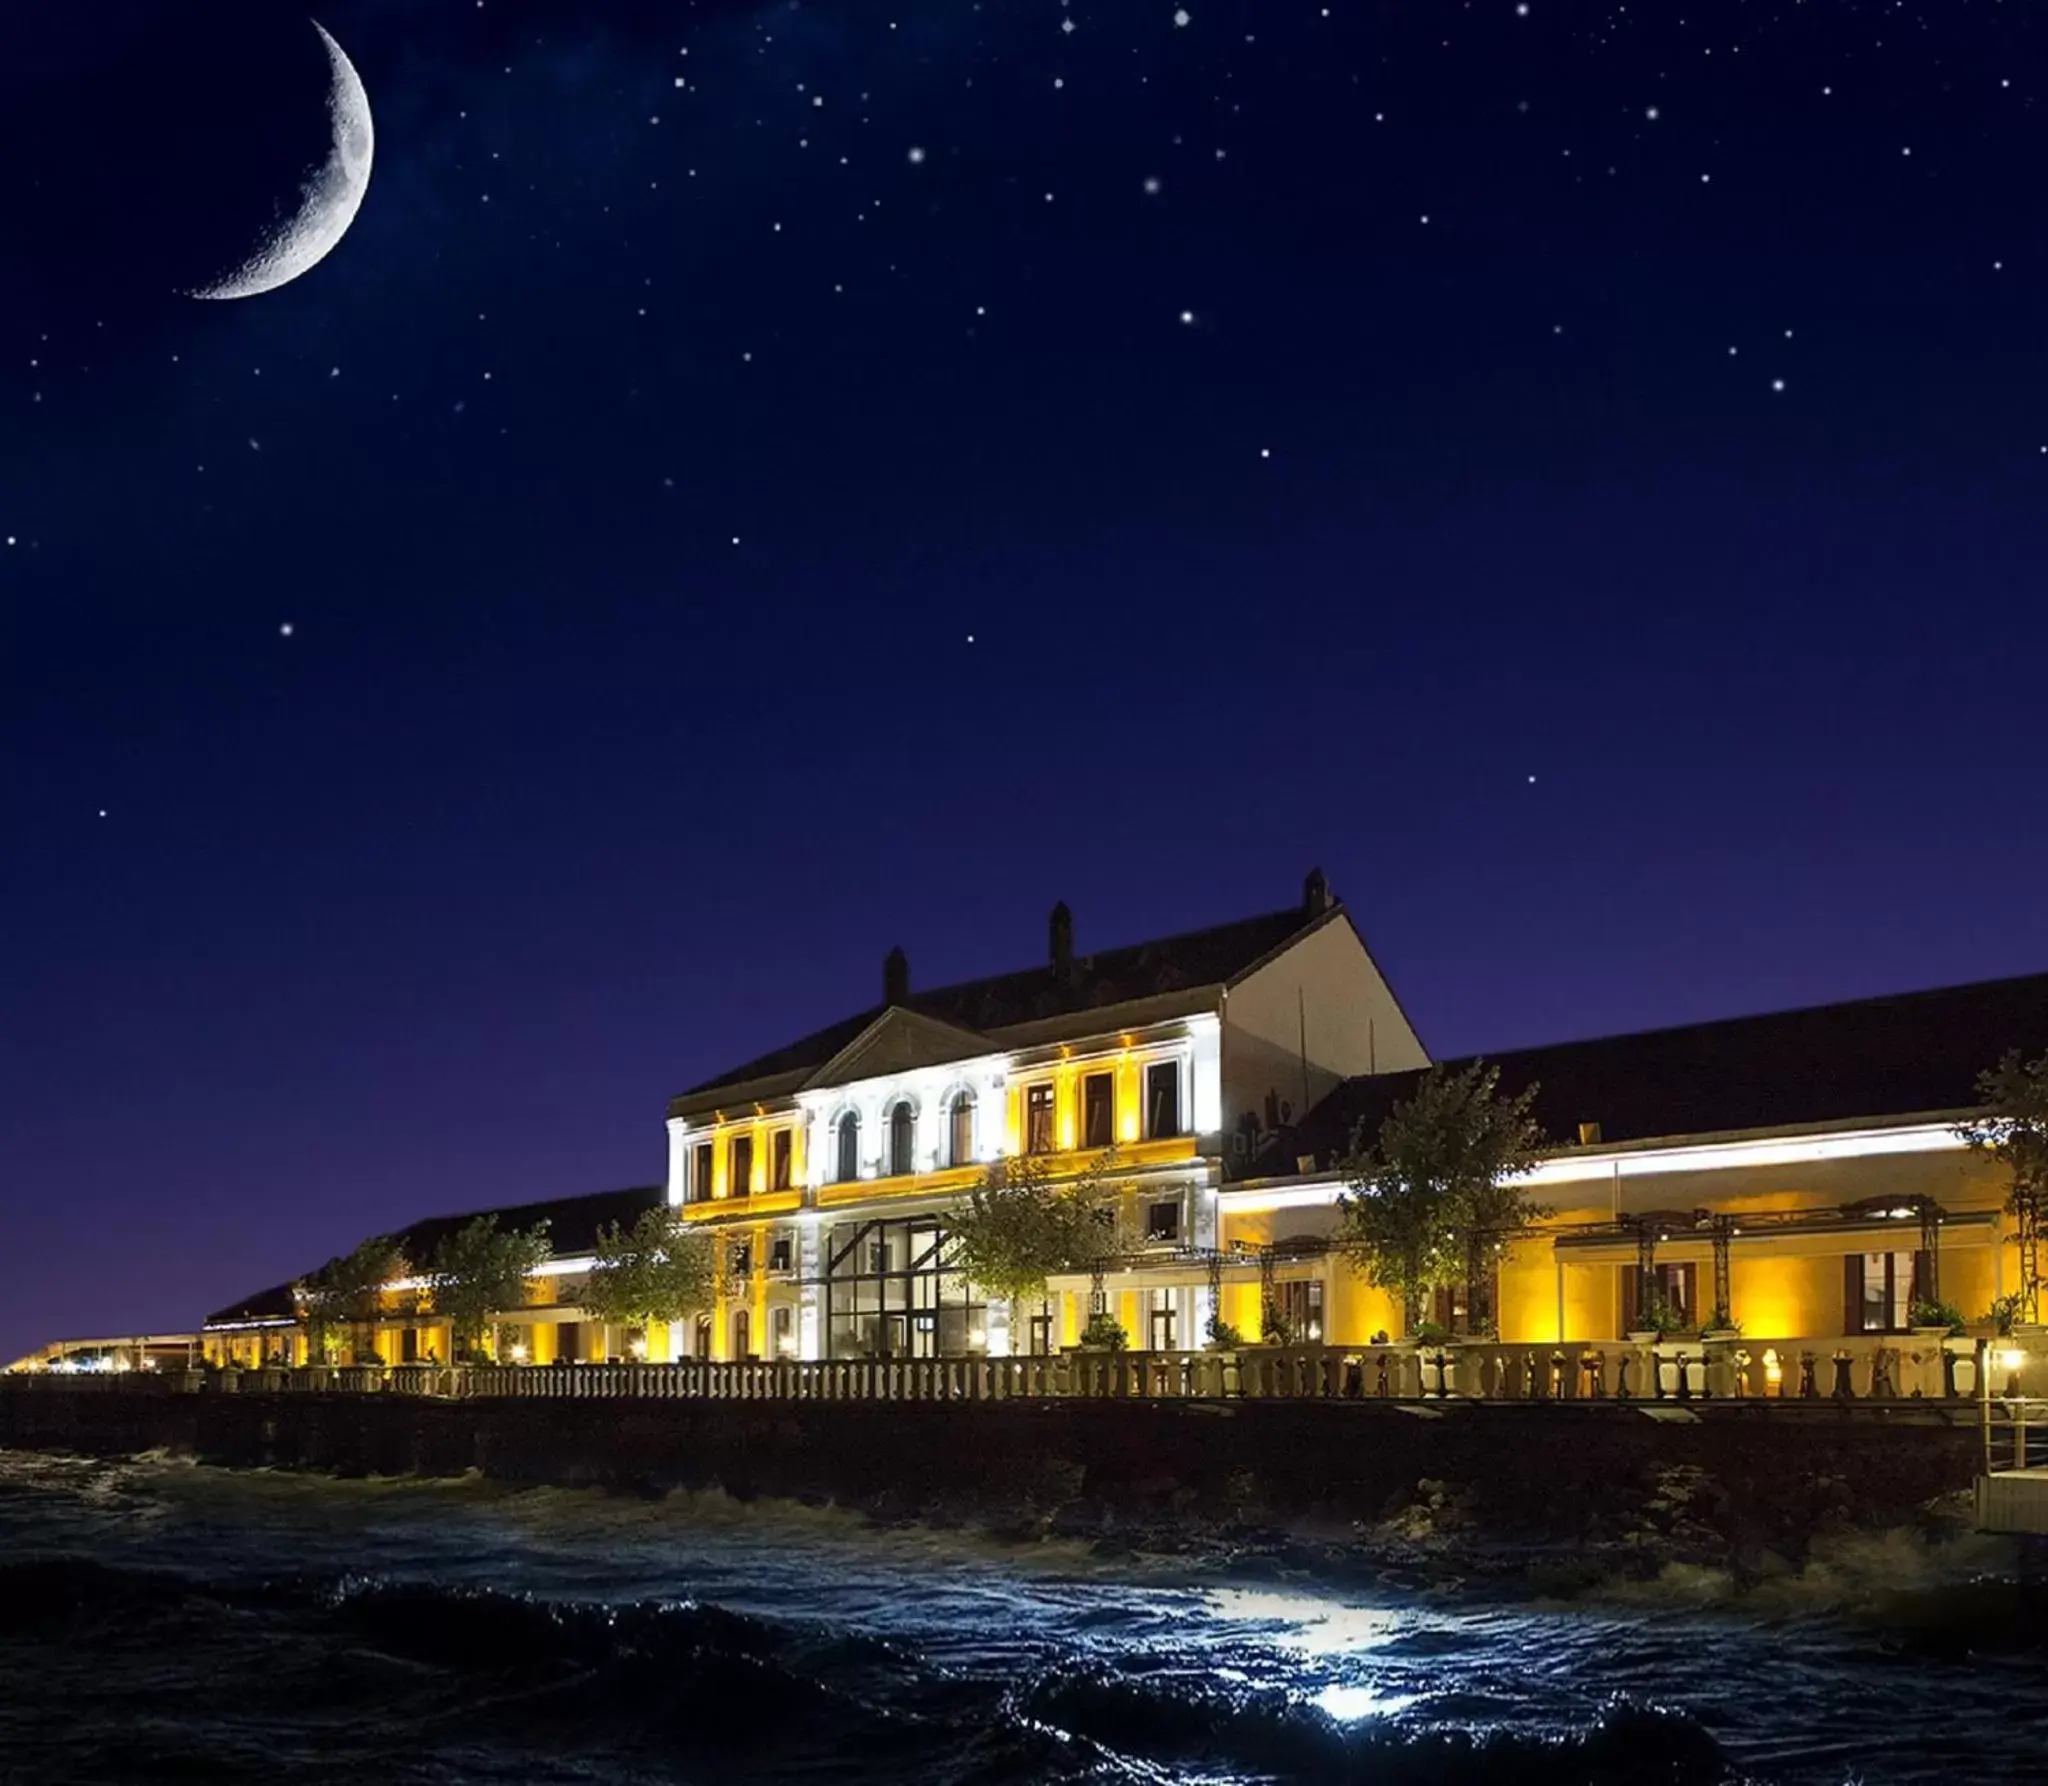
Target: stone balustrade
<point>1862,1368</point>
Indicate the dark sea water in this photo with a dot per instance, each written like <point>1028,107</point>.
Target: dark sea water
<point>164,1622</point>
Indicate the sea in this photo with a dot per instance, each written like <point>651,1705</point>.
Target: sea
<point>161,1621</point>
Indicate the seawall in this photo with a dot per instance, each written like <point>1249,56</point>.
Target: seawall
<point>1723,1483</point>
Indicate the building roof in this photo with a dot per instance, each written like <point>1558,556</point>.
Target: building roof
<point>1044,996</point>
<point>573,1224</point>
<point>1869,1060</point>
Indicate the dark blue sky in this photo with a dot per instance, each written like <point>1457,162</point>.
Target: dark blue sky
<point>1470,465</point>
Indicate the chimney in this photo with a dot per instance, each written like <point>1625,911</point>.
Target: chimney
<point>1589,1134</point>
<point>1062,940</point>
<point>1315,894</point>
<point>896,978</point>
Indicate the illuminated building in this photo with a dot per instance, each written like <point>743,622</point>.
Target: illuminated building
<point>1798,1173</point>
<point>826,1169</point>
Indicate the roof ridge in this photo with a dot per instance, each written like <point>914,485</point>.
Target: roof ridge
<point>798,1054</point>
<point>1738,1017</point>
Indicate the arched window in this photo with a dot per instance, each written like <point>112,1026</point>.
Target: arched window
<point>963,1130</point>
<point>902,1140</point>
<point>849,1147</point>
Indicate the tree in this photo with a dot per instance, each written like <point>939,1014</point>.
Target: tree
<point>1018,1227</point>
<point>1008,1236</point>
<point>2013,1129</point>
<point>660,1269</point>
<point>478,1271</point>
<point>1436,1189</point>
<point>343,1296</point>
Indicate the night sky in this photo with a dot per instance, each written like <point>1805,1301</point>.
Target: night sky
<point>762,483</point>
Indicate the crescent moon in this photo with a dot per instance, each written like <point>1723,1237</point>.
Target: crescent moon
<point>329,199</point>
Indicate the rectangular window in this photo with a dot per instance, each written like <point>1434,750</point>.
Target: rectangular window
<point>699,1187</point>
<point>783,1324</point>
<point>1041,1336</point>
<point>741,1259</point>
<point>1301,1307</point>
<point>1162,1099</point>
<point>1098,1110</point>
<point>889,1290</point>
<point>779,1160</point>
<point>1162,1222</point>
<point>740,1180</point>
<point>1675,1286</point>
<point>1878,1296</point>
<point>1038,1128</point>
<point>1163,1330</point>
<point>781,1253</point>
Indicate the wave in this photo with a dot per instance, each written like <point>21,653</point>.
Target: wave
<point>1192,1723</point>
<point>700,1690</point>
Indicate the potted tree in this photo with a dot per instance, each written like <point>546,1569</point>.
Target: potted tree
<point>1435,1191</point>
<point>1018,1229</point>
<point>660,1271</point>
<point>1104,1333</point>
<point>1720,1327</point>
<point>339,1306</point>
<point>1656,1320</point>
<point>480,1271</point>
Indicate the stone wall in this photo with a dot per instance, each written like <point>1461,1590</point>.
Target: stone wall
<point>1724,1483</point>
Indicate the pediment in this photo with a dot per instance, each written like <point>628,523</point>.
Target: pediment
<point>899,1041</point>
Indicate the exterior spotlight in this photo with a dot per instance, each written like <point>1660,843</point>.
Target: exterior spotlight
<point>639,1346</point>
<point>518,1352</point>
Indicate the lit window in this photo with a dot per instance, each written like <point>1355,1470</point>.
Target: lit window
<point>1098,1110</point>
<point>902,1140</point>
<point>963,1129</point>
<point>1162,1099</point>
<point>1881,1291</point>
<point>1038,1132</point>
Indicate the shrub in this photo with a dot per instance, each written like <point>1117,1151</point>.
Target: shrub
<point>1104,1333</point>
<point>1936,1314</point>
<point>1659,1317</point>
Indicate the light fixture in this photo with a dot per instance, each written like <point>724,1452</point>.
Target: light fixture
<point>638,1347</point>
<point>518,1352</point>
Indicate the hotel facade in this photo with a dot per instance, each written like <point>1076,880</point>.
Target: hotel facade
<point>1797,1173</point>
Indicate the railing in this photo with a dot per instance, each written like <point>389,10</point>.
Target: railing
<point>1867,1368</point>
